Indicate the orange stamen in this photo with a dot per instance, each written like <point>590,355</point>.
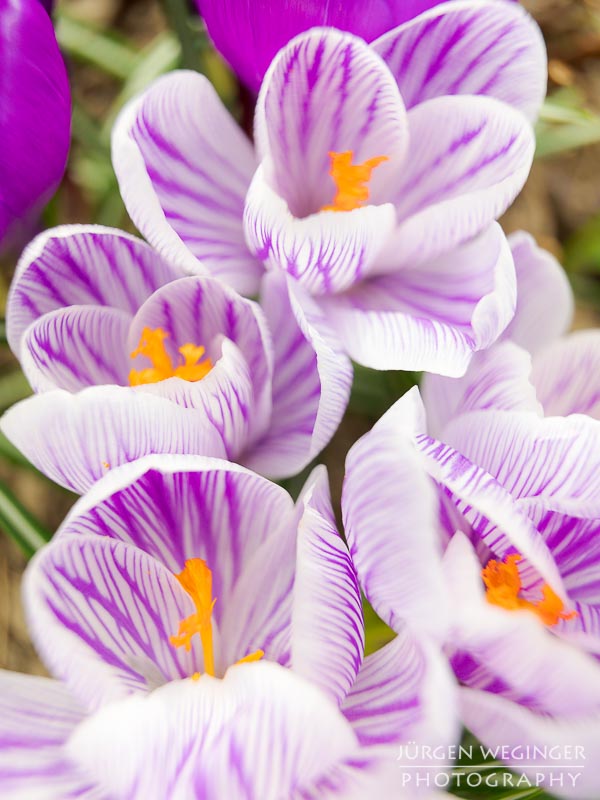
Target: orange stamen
<point>255,656</point>
<point>196,579</point>
<point>350,180</point>
<point>152,346</point>
<point>503,585</point>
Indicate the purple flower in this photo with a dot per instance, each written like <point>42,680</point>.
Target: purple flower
<point>515,502</point>
<point>35,112</point>
<point>409,269</point>
<point>208,636</point>
<point>536,366</point>
<point>129,356</point>
<point>248,35</point>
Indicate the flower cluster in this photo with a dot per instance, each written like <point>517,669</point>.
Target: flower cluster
<point>205,633</point>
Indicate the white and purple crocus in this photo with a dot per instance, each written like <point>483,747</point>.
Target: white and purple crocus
<point>513,499</point>
<point>373,185</point>
<point>130,356</point>
<point>207,637</point>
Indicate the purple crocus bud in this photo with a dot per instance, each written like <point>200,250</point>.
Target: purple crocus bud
<point>207,635</point>
<point>35,111</point>
<point>514,501</point>
<point>248,35</point>
<point>372,188</point>
<point>116,339</point>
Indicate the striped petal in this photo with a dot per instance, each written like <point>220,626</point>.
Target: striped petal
<point>565,375</point>
<point>512,652</point>
<point>179,507</point>
<point>37,717</point>
<point>203,311</point>
<point>404,692</point>
<point>468,159</point>
<point>75,439</point>
<point>82,265</point>
<point>326,251</point>
<point>222,401</point>
<point>433,317</point>
<point>497,379</point>
<point>184,168</point>
<point>498,723</point>
<point>311,382</point>
<point>327,620</point>
<point>495,519</point>
<point>469,48</point>
<point>575,547</point>
<point>389,507</point>
<point>553,460</point>
<point>75,347</point>
<point>545,303</point>
<point>101,612</point>
<point>261,733</point>
<point>327,91</point>
<point>249,36</point>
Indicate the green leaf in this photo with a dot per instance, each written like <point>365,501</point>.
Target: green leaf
<point>20,524</point>
<point>161,55</point>
<point>374,391</point>
<point>13,387</point>
<point>582,249</point>
<point>84,43</point>
<point>377,633</point>
<point>188,30</point>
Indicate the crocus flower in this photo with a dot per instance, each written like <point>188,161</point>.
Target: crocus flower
<point>128,358</point>
<point>518,505</point>
<point>372,188</point>
<point>35,112</point>
<point>207,641</point>
<point>536,365</point>
<point>248,35</point>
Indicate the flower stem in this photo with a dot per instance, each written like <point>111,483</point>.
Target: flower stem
<point>181,21</point>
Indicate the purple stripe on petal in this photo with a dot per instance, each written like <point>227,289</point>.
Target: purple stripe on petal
<point>468,158</point>
<point>261,733</point>
<point>327,91</point>
<point>178,507</point>
<point>311,382</point>
<point>401,694</point>
<point>101,613</point>
<point>469,48</point>
<point>82,265</point>
<point>37,717</point>
<point>184,168</point>
<point>75,347</point>
<point>327,621</point>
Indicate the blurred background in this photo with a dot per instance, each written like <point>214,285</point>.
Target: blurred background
<point>113,49</point>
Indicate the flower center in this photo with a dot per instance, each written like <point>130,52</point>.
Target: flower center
<point>503,584</point>
<point>196,579</point>
<point>192,367</point>
<point>350,180</point>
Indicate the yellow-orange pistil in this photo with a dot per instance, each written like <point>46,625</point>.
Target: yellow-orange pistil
<point>503,584</point>
<point>152,345</point>
<point>351,180</point>
<point>196,579</point>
